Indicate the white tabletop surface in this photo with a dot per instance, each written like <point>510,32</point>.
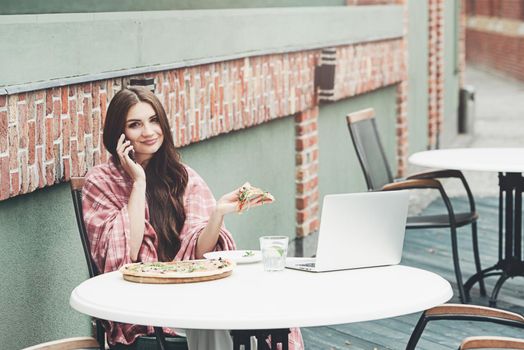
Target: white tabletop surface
<point>253,299</point>
<point>480,159</point>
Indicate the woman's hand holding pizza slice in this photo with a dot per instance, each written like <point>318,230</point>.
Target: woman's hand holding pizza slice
<point>243,198</point>
<point>250,196</point>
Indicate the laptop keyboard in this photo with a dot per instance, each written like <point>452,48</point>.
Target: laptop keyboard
<point>311,264</point>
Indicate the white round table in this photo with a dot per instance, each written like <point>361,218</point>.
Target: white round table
<point>254,299</point>
<point>509,163</point>
<point>508,160</point>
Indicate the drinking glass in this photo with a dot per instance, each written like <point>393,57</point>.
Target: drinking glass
<point>274,252</point>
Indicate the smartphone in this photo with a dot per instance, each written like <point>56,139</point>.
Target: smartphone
<point>131,153</point>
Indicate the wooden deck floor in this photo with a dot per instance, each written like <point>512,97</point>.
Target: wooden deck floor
<point>431,250</point>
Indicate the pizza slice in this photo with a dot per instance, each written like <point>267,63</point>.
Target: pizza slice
<point>248,194</point>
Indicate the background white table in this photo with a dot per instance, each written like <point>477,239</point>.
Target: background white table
<point>509,163</point>
<point>253,299</point>
<point>507,160</point>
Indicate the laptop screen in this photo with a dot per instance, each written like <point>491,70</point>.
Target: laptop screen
<point>362,229</point>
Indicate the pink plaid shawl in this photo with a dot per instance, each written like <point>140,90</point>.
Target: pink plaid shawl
<point>104,202</point>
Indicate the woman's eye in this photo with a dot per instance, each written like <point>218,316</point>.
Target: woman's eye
<point>133,125</point>
<point>155,120</point>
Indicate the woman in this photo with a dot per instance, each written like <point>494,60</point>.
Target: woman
<point>145,205</point>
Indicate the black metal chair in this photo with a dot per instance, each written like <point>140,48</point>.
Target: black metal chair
<point>378,175</point>
<point>459,312</point>
<point>77,183</point>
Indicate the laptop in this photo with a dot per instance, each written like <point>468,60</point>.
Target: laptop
<point>358,230</point>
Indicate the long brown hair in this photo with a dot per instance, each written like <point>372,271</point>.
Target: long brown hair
<point>166,177</point>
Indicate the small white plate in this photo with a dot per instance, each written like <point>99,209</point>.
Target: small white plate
<point>238,256</point>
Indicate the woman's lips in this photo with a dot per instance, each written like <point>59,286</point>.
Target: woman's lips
<point>150,142</point>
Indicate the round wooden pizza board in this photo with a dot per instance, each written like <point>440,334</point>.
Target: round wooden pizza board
<point>170,280</point>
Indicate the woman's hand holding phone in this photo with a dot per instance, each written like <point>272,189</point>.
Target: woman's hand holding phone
<point>125,151</point>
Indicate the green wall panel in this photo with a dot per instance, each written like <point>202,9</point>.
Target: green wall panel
<point>451,73</point>
<point>139,42</point>
<point>340,170</point>
<point>418,75</point>
<point>40,244</point>
<point>60,6</point>
<point>265,157</point>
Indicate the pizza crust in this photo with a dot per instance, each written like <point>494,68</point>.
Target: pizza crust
<point>179,269</point>
<point>164,280</point>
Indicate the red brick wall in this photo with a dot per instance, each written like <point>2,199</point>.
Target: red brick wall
<point>511,9</point>
<point>366,67</point>
<point>485,7</point>
<point>500,52</point>
<point>435,70</point>
<point>402,102</point>
<point>56,133</point>
<point>495,37</point>
<point>306,162</point>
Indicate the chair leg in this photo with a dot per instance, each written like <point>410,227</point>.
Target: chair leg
<point>456,264</point>
<point>160,338</point>
<point>476,255</point>
<point>100,334</point>
<point>262,341</point>
<point>496,289</point>
<point>243,337</point>
<point>417,332</point>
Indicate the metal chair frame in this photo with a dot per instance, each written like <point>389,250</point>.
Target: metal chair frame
<point>449,220</point>
<point>77,183</point>
<point>461,312</point>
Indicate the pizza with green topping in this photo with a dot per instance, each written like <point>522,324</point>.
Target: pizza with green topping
<point>177,271</point>
<point>248,194</point>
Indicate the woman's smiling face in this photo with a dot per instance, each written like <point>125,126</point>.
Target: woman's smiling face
<point>143,130</point>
